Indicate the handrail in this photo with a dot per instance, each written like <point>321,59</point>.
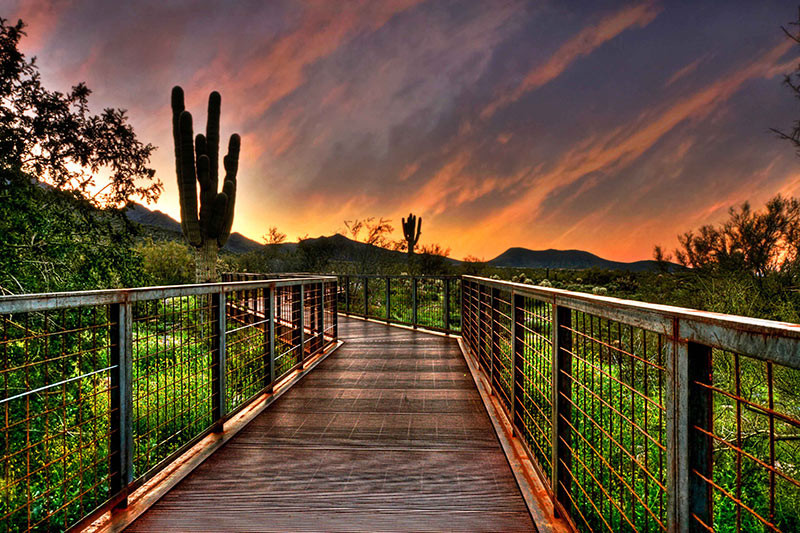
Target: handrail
<point>627,409</point>
<point>101,390</point>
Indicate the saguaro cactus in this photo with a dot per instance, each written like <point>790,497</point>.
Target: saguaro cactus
<point>412,228</point>
<point>197,160</point>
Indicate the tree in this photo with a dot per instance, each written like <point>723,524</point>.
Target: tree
<point>53,136</point>
<point>758,242</point>
<point>376,233</point>
<point>274,236</point>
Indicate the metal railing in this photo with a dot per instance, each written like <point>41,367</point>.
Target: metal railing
<point>642,417</point>
<point>100,390</point>
<point>430,302</point>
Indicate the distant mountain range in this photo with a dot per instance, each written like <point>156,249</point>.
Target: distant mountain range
<point>569,259</point>
<point>161,226</point>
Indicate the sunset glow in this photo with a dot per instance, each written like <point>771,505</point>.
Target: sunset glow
<point>608,127</point>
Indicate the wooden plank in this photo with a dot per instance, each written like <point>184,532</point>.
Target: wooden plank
<point>387,433</point>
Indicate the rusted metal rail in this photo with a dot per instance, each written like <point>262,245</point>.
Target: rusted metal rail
<point>643,417</point>
<point>101,390</point>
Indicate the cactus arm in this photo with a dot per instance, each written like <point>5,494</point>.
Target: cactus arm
<point>419,230</point>
<point>178,108</point>
<point>187,185</point>
<point>231,162</point>
<point>212,136</point>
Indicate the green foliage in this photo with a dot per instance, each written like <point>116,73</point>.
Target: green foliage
<point>166,262</point>
<point>56,241</point>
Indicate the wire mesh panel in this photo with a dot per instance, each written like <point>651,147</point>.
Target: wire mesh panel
<point>287,330</point>
<point>500,344</point>
<point>376,298</point>
<point>454,306</point>
<point>430,302</point>
<point>312,319</point>
<point>752,432</point>
<point>330,306</point>
<point>470,322</point>
<point>355,291</point>
<point>401,300</point>
<point>533,375</point>
<point>247,346</point>
<point>171,376</point>
<point>614,448</point>
<point>57,462</point>
<point>484,308</point>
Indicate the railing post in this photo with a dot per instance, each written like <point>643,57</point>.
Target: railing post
<point>688,405</point>
<point>388,299</point>
<point>297,321</point>
<point>699,446</point>
<point>518,358</point>
<point>494,338</point>
<point>218,330</point>
<point>446,307</point>
<point>270,331</point>
<point>561,358</point>
<point>414,302</point>
<point>121,408</point>
<point>347,295</point>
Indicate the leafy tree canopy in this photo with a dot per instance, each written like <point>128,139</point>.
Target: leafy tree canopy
<point>53,136</point>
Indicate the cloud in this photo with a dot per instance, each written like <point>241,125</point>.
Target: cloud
<point>628,142</point>
<point>584,43</point>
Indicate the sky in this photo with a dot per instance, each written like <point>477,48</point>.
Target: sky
<point>603,126</point>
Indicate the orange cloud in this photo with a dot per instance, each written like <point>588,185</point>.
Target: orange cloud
<point>582,44</point>
<point>626,143</point>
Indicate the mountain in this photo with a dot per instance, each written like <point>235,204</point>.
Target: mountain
<point>161,226</point>
<point>338,247</point>
<point>569,259</point>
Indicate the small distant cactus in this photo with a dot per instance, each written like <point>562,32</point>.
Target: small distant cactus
<point>600,291</point>
<point>412,228</point>
<point>197,160</point>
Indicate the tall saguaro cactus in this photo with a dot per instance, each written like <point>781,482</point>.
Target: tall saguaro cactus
<point>412,228</point>
<point>197,160</point>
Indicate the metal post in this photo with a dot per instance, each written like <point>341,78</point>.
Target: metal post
<point>414,302</point>
<point>518,350</point>
<point>218,330</point>
<point>121,442</point>
<point>678,424</point>
<point>270,330</point>
<point>562,410</point>
<point>446,306</point>
<point>700,447</point>
<point>388,299</point>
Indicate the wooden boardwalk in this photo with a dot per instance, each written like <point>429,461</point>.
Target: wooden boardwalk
<point>388,433</point>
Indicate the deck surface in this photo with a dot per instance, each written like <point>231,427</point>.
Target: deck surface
<point>388,433</point>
